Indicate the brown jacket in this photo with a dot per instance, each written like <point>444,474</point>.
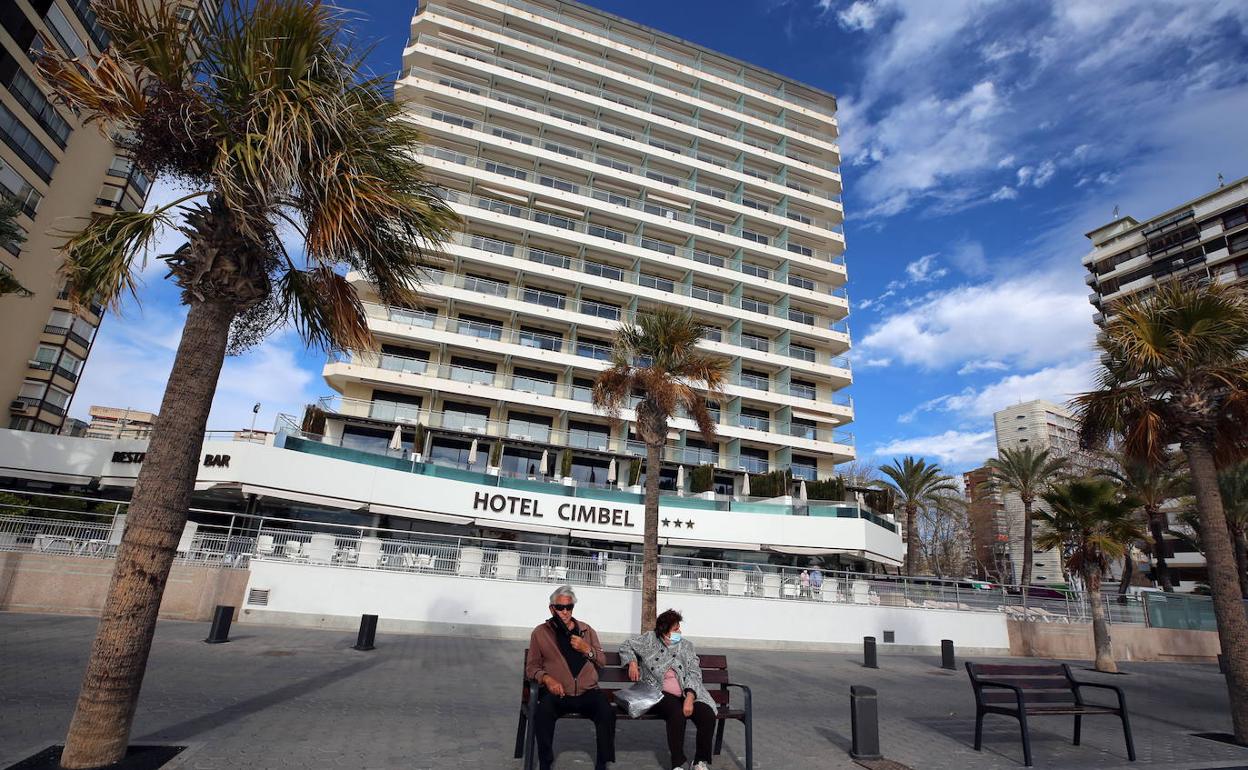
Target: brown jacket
<point>545,659</point>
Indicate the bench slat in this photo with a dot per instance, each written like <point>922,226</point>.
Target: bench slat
<point>996,671</point>
<point>1033,684</point>
<point>1005,696</point>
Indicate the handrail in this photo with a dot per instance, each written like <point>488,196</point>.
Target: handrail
<point>780,217</point>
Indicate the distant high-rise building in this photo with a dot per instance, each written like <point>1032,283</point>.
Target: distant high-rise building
<point>1204,239</point>
<point>986,518</point>
<point>604,169</point>
<point>1040,425</point>
<point>110,423</point>
<point>59,173</point>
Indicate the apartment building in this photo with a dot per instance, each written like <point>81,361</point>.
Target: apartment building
<point>108,422</point>
<point>1204,239</point>
<point>60,173</point>
<point>1041,425</point>
<point>986,517</point>
<point>605,169</point>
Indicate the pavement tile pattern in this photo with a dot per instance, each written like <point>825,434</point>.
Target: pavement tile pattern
<point>286,697</point>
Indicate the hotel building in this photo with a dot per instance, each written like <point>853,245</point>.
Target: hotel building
<point>60,173</point>
<point>1204,239</point>
<point>604,169</point>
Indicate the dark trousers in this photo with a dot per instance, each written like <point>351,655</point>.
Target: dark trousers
<point>672,709</point>
<point>592,704</point>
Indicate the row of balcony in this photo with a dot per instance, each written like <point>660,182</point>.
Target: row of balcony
<point>738,77</point>
<point>523,427</point>
<point>450,81</point>
<point>618,237</point>
<point>551,386</point>
<point>781,216</point>
<point>611,312</point>
<point>510,34</point>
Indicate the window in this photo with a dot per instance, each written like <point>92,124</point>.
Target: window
<point>802,389</point>
<point>540,338</point>
<point>707,258</point>
<point>805,468</point>
<point>757,419</point>
<point>64,33</point>
<point>802,352</point>
<point>397,359</point>
<point>659,246</point>
<point>511,136</point>
<point>82,332</point>
<point>82,9</point>
<point>584,435</point>
<point>544,298</point>
<point>45,357</point>
<point>69,367</point>
<point>504,170</point>
<point>801,282</point>
<point>755,342</point>
<point>755,270</point>
<point>605,232</point>
<point>755,306</point>
<point>591,348</point>
<point>483,328</point>
<point>56,400</point>
<point>492,245</point>
<point>604,271</point>
<point>554,220</point>
<point>532,427</point>
<point>108,196</point>
<point>798,248</point>
<point>750,235</point>
<point>754,460</point>
<point>31,97</point>
<point>549,258</point>
<point>803,429</point>
<point>558,184</point>
<point>801,317</point>
<point>655,282</point>
<point>26,144</point>
<point>454,120</point>
<point>16,187</point>
<point>395,407</point>
<point>472,371</point>
<point>600,310</point>
<point>755,380</point>
<point>485,285</point>
<point>708,295</point>
<point>534,381</point>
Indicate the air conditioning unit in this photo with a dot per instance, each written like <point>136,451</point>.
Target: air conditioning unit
<point>34,362</point>
<point>17,406</point>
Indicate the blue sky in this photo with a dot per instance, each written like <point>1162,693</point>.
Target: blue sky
<point>981,139</point>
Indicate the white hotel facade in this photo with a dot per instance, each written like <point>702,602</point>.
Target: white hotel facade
<point>603,170</point>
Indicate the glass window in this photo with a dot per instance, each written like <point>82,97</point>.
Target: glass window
<point>32,390</point>
<point>70,363</point>
<point>37,104</point>
<point>64,33</point>
<point>83,329</point>
<point>26,144</point>
<point>57,397</point>
<point>61,319</point>
<point>540,338</point>
<point>46,355</point>
<point>531,427</point>
<point>19,189</point>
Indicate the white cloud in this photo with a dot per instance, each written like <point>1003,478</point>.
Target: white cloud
<point>1029,321</point>
<point>924,269</point>
<point>988,365</point>
<point>873,363</point>
<point>1004,193</point>
<point>860,16</point>
<point>133,354</point>
<point>953,447</point>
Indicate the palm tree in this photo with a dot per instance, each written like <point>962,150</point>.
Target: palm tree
<point>272,126</point>
<point>1175,370</point>
<point>1091,525</point>
<point>1153,485</point>
<point>1233,484</point>
<point>1026,473</point>
<point>657,358</point>
<point>916,484</point>
<point>10,233</point>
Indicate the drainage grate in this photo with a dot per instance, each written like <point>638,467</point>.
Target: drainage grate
<point>258,597</point>
<point>890,637</point>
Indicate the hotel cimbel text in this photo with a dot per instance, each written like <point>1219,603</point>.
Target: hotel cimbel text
<point>570,512</point>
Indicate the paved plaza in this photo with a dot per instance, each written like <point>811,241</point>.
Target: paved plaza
<point>280,697</point>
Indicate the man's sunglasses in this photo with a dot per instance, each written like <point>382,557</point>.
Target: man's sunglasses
<point>562,607</point>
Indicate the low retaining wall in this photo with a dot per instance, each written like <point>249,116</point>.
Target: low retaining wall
<point>1130,642</point>
<point>335,597</point>
<point>37,582</point>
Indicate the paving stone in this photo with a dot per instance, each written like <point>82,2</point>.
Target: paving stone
<point>285,697</point>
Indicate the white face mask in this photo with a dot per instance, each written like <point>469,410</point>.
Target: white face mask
<point>675,637</point>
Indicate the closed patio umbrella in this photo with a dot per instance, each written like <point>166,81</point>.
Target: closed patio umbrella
<point>472,453</point>
<point>745,486</point>
<point>611,472</point>
<point>680,479</point>
<point>544,461</point>
<point>801,491</point>
<point>396,441</point>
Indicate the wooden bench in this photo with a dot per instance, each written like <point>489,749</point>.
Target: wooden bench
<point>1020,691</point>
<point>614,676</point>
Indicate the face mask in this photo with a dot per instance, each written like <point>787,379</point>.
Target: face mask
<point>675,637</point>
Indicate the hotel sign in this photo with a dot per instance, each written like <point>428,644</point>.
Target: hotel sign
<point>573,513</point>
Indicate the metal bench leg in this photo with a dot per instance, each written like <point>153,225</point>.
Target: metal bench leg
<point>530,748</point>
<point>1022,726</point>
<point>719,736</point>
<point>1126,731</point>
<point>520,733</point>
<point>749,742</point>
<point>979,730</point>
<point>1078,725</point>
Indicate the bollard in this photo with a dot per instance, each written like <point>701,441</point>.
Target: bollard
<point>946,654</point>
<point>368,633</point>
<point>219,633</point>
<point>868,652</point>
<point>864,717</point>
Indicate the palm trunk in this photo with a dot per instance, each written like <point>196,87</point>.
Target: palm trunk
<point>650,548</point>
<point>912,540</point>
<point>1100,626</point>
<point>1241,562</point>
<point>100,729</point>
<point>1157,527</point>
<point>1224,583</point>
<point>1128,572</point>
<point>1028,559</point>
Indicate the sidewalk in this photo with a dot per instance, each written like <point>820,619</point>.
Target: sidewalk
<point>280,697</point>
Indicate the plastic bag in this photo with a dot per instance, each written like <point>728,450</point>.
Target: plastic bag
<point>638,699</point>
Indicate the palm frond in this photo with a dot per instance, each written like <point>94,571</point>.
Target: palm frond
<point>325,309</point>
<point>100,259</point>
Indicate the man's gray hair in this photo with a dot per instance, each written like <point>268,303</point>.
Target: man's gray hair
<point>563,591</point>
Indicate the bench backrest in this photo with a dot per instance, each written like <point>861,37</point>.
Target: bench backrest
<point>614,676</point>
<point>1040,683</point>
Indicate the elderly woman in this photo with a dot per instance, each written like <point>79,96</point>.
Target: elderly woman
<point>667,660</point>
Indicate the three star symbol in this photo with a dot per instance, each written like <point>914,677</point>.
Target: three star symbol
<point>677,523</point>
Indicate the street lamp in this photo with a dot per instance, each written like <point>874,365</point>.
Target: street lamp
<point>255,412</point>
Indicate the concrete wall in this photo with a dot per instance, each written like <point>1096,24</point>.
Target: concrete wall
<point>36,582</point>
<point>336,597</point>
<point>1074,640</point>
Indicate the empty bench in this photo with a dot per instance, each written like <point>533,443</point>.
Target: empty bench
<point>1021,691</point>
<point>614,676</point>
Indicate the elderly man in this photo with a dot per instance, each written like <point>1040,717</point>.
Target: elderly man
<point>564,658</point>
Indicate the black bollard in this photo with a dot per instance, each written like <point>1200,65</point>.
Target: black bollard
<point>868,652</point>
<point>221,619</point>
<point>368,633</point>
<point>864,717</point>
<point>946,654</point>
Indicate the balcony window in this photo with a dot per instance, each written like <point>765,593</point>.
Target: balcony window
<point>492,245</point>
<point>710,224</point>
<point>69,367</point>
<point>549,258</point>
<point>655,282</point>
<point>544,298</point>
<point>472,371</point>
<point>466,417</point>
<point>606,232</point>
<point>603,271</point>
<point>656,176</point>
<point>755,306</point>
<point>479,327</point>
<point>712,334</point>
<point>534,381</point>
<point>559,184</point>
<point>801,317</point>
<point>395,407</point>
<point>584,435</point>
<point>499,207</point>
<point>755,380</point>
<point>707,295</point>
<point>659,246</point>
<point>554,220</point>
<point>756,270</point>
<point>801,352</point>
<point>539,338</point>
<point>413,317</point>
<point>750,203</point>
<point>600,310</point>
<point>24,90</point>
<point>707,258</point>
<point>593,349</point>
<point>528,427</point>
<point>396,359</point>
<point>801,282</point>
<point>485,285</point>
<point>798,248</point>
<point>754,237</point>
<point>754,342</point>
<point>714,192</point>
<point>511,136</point>
<point>754,460</point>
<point>612,198</point>
<point>755,419</point>
<point>503,169</point>
<point>803,429</point>
<point>82,332</point>
<point>16,187</point>
<point>120,166</point>
<point>454,120</point>
<point>45,357</point>
<point>66,37</point>
<point>25,144</point>
<point>582,389</point>
<point>802,389</point>
<point>109,196</point>
<point>805,468</point>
